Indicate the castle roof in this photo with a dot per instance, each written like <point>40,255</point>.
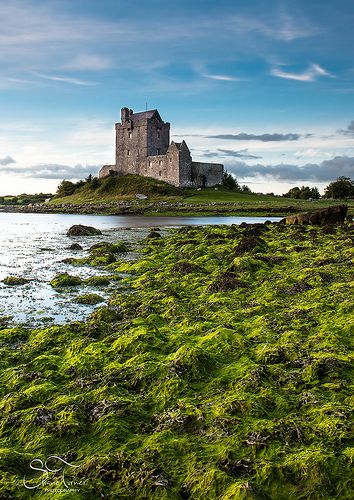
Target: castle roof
<point>144,115</point>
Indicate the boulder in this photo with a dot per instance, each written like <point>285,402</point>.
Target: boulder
<point>80,230</point>
<point>75,246</point>
<point>320,217</point>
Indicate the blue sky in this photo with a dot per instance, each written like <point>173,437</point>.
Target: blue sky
<point>265,87</point>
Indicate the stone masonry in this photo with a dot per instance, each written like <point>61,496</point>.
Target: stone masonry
<point>143,147</point>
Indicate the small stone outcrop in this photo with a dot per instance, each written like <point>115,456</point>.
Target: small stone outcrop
<point>321,217</point>
<point>80,230</point>
<point>75,246</point>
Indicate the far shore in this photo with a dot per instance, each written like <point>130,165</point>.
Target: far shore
<point>164,208</point>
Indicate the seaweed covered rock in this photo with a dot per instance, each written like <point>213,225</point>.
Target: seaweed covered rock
<point>15,280</point>
<point>81,230</point>
<point>65,279</point>
<point>324,216</point>
<point>89,299</point>
<point>75,246</point>
<point>154,235</point>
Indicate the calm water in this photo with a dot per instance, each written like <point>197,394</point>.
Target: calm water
<point>33,246</point>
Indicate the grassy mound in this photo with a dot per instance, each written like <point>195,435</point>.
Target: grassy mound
<point>115,188</point>
<point>226,372</point>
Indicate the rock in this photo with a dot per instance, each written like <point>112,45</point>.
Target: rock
<point>80,230</point>
<point>321,217</point>
<point>75,246</point>
<point>14,280</point>
<point>89,299</point>
<point>154,234</point>
<point>141,196</point>
<point>65,279</point>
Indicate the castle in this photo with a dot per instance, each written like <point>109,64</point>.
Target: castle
<point>143,147</point>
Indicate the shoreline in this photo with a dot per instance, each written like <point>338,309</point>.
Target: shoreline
<point>169,209</point>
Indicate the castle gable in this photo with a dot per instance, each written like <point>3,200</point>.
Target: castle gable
<point>145,115</point>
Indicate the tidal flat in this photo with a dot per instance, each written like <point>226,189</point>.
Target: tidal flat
<point>224,372</point>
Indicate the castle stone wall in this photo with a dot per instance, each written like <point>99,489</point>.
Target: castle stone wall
<point>207,174</point>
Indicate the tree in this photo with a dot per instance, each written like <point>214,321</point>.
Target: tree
<point>230,182</point>
<point>303,193</point>
<point>343,187</point>
<point>66,188</point>
<point>246,189</point>
<point>94,183</point>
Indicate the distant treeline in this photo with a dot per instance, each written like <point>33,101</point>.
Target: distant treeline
<point>25,199</point>
<point>342,188</point>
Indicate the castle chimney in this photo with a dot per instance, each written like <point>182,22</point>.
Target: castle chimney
<point>124,114</point>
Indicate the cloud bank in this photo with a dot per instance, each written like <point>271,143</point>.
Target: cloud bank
<point>326,171</point>
<point>254,137</point>
<point>52,171</point>
<point>7,160</point>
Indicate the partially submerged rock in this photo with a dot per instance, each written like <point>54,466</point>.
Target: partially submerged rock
<point>75,246</point>
<point>321,217</point>
<point>15,280</point>
<point>89,298</point>
<point>154,235</point>
<point>80,230</point>
<point>65,279</point>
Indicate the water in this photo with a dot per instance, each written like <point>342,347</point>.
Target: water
<point>33,246</point>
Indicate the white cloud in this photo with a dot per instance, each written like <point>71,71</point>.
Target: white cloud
<point>223,78</point>
<point>310,75</point>
<point>65,79</point>
<point>88,62</point>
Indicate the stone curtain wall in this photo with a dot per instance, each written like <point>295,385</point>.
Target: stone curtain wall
<point>212,172</point>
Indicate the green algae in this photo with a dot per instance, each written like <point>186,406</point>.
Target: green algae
<point>65,279</point>
<point>224,372</point>
<point>15,280</point>
<point>89,298</point>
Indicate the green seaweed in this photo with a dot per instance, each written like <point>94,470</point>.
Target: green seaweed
<point>89,298</point>
<point>15,280</point>
<point>224,371</point>
<point>65,279</point>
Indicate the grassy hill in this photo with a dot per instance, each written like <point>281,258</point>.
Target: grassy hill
<point>118,188</point>
<point>222,368</point>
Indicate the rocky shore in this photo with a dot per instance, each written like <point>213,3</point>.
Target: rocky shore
<point>152,208</point>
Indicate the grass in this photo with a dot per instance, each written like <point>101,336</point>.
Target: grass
<point>224,371</point>
<point>164,199</point>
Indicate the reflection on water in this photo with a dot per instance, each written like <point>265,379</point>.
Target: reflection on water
<point>33,246</point>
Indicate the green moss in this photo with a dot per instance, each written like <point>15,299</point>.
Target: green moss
<point>89,298</point>
<point>15,280</point>
<point>224,372</point>
<point>65,279</point>
<point>97,280</point>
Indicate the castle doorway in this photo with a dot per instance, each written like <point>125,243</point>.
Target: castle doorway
<point>201,181</point>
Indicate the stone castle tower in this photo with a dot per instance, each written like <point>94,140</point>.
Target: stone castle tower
<point>143,147</point>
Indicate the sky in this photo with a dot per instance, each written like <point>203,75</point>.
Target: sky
<point>264,87</point>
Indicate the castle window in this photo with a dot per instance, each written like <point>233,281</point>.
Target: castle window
<point>160,173</point>
<point>160,163</point>
<point>128,152</point>
<point>149,163</point>
<point>129,135</point>
<point>158,134</point>
<point>158,151</point>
